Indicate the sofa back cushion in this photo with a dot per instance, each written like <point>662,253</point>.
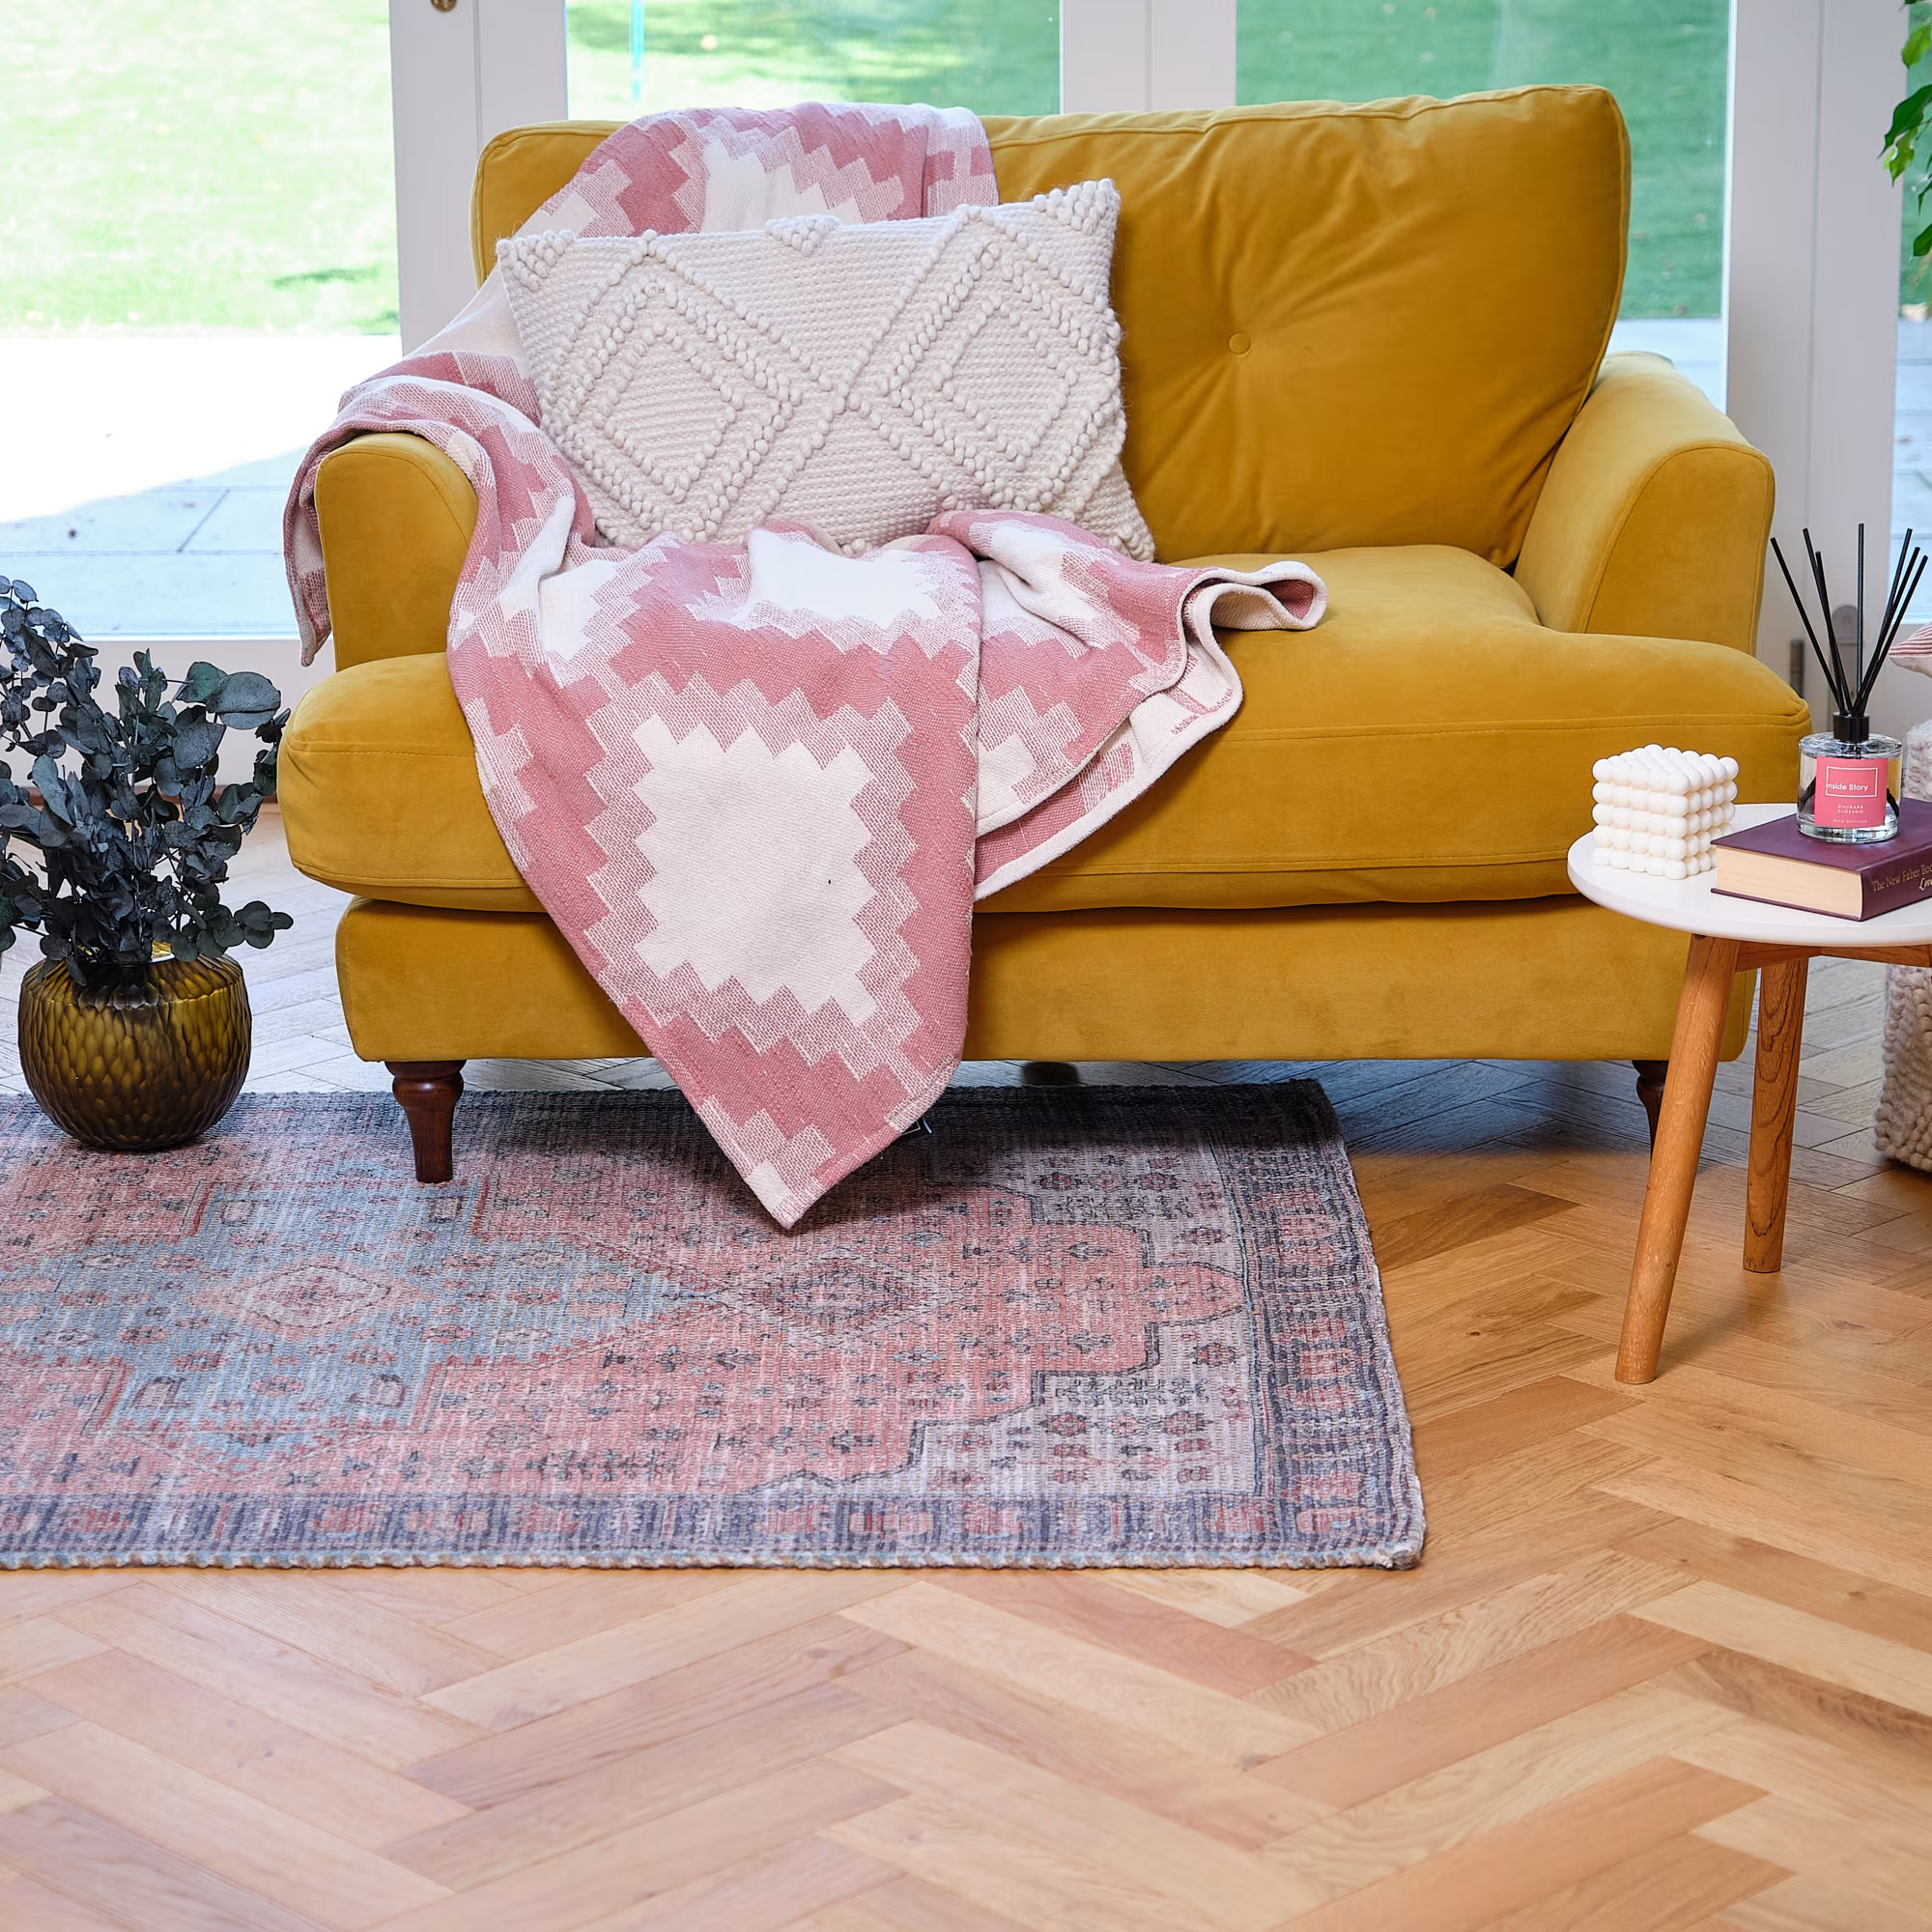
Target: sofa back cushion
<point>1343,326</point>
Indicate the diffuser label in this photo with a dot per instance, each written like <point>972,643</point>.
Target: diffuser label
<point>1851,792</point>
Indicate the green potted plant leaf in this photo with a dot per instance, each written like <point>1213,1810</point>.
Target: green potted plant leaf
<point>1909,117</point>
<point>135,1028</point>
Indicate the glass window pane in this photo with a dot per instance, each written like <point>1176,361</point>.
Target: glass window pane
<point>1666,60</point>
<point>197,207</point>
<point>630,57</point>
<point>1912,429</point>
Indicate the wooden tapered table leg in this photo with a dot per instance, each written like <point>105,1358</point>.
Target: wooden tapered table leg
<point>1733,935</point>
<point>1780,1035</point>
<point>1701,1007</point>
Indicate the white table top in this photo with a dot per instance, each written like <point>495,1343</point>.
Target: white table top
<point>1689,905</point>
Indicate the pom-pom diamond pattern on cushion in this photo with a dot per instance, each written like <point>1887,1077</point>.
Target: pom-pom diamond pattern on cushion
<point>859,379</point>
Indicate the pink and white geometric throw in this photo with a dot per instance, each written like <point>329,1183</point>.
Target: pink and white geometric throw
<point>758,784</point>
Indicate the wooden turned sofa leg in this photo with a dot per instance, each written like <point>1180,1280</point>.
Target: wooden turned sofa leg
<point>1650,1077</point>
<point>429,1091</point>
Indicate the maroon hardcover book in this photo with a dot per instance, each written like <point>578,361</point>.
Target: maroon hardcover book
<point>1778,863</point>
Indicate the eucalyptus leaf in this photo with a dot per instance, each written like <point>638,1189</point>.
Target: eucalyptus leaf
<point>133,829</point>
<point>197,741</point>
<point>245,691</point>
<point>201,682</point>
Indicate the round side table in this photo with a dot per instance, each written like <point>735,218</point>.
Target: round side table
<point>1728,936</point>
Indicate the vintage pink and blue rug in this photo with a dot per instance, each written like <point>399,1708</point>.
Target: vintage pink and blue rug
<point>1065,1327</point>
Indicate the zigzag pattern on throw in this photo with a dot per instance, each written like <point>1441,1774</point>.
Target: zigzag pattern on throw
<point>745,778</point>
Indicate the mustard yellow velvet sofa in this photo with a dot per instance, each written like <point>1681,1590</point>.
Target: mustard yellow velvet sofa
<point>1372,337</point>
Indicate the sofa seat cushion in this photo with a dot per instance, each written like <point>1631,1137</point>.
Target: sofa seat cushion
<point>1429,741</point>
<point>380,794</point>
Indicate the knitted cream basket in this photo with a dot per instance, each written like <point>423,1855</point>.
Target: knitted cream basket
<point>1904,1126</point>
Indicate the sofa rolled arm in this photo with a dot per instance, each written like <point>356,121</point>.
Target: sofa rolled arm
<point>395,516</point>
<point>1654,517</point>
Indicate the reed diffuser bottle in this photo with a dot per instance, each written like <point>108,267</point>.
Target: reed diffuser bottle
<point>1848,777</point>
<point>1848,782</point>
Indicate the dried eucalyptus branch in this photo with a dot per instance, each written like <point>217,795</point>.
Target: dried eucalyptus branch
<point>134,831</point>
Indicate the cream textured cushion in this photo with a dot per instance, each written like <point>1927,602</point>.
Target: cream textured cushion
<point>858,379</point>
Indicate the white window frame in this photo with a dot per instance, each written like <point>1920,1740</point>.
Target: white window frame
<point>1141,56</point>
<point>458,74</point>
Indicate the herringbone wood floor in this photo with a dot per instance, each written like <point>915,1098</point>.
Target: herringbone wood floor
<point>1668,1663</point>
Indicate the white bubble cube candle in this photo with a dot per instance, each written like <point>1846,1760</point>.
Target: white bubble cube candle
<point>1659,808</point>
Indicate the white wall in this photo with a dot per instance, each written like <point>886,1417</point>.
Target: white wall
<point>1812,303</point>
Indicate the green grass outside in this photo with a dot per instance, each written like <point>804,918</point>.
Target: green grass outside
<point>997,56</point>
<point>171,164</point>
<point>196,164</point>
<point>1664,60</point>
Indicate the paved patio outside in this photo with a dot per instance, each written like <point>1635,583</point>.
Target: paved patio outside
<point>151,504</point>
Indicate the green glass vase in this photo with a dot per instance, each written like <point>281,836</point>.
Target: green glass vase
<point>151,1060</point>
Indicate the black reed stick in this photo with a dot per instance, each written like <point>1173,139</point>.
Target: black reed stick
<point>1895,616</point>
<point>1805,618</point>
<point>1850,696</point>
<point>1906,596</point>
<point>1889,636</point>
<point>1905,603</point>
<point>1897,580</point>
<point>1840,686</point>
<point>1861,608</point>
<point>1831,630</point>
<point>1840,689</point>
